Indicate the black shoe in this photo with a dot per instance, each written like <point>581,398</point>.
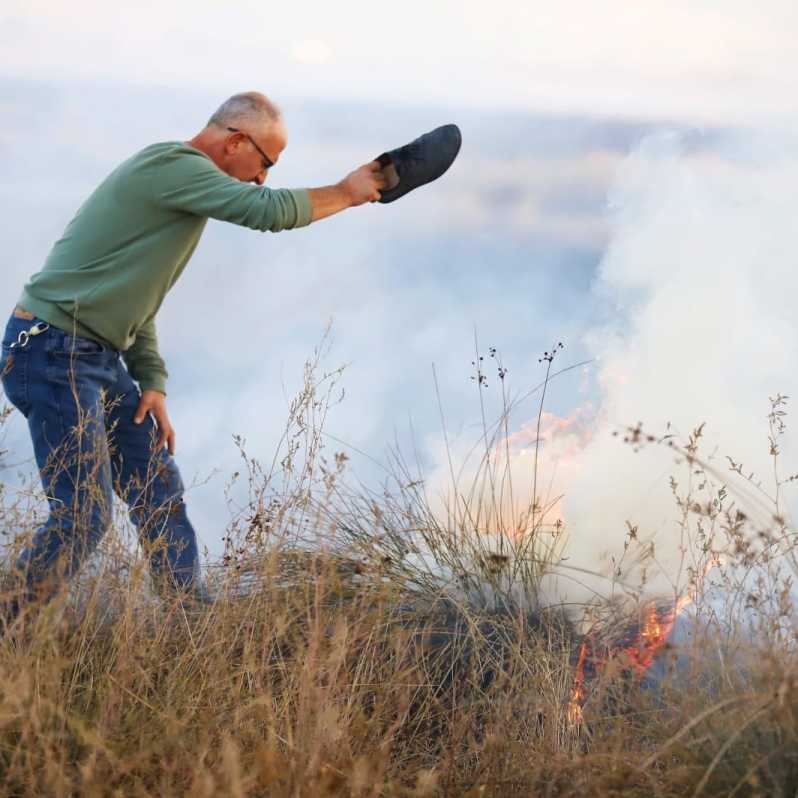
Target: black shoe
<point>421,161</point>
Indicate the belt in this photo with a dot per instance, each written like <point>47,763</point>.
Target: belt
<point>20,313</point>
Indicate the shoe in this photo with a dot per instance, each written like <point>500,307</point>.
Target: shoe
<point>419,162</point>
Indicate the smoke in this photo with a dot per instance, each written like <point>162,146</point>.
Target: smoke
<point>696,288</point>
<point>699,281</point>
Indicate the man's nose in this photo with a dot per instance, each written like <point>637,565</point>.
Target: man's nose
<point>261,178</point>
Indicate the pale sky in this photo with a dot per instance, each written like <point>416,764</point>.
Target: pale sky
<point>710,60</point>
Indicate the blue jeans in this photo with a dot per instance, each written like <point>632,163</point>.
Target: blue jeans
<point>79,401</point>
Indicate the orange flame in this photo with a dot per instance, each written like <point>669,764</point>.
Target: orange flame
<point>651,638</point>
<point>574,711</point>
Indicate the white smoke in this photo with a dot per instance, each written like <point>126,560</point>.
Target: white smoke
<point>698,284</point>
<point>700,279</point>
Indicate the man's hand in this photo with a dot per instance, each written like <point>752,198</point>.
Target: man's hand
<point>155,402</point>
<point>362,185</point>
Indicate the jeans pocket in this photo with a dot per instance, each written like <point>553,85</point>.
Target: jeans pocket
<point>74,346</point>
<point>14,377</point>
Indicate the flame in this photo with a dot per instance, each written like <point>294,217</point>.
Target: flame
<point>652,636</point>
<point>574,711</point>
<point>658,624</point>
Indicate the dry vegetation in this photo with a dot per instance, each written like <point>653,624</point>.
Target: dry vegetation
<point>362,644</point>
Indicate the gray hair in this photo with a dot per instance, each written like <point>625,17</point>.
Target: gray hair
<point>248,109</point>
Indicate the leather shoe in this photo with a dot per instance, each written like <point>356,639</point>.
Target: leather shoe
<point>419,162</point>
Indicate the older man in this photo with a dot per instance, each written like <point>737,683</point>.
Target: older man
<point>92,308</point>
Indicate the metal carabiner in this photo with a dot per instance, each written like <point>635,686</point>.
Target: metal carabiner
<point>26,335</point>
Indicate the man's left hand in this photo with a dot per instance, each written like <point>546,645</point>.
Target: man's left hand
<point>155,402</point>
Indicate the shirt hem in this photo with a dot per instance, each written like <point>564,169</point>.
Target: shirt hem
<point>55,316</point>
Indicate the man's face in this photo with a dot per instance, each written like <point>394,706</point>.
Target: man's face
<point>244,162</point>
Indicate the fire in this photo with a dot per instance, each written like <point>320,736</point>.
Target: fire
<point>653,636</point>
<point>574,712</point>
<point>650,639</point>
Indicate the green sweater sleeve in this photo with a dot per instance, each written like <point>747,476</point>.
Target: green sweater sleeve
<point>189,181</point>
<point>143,361</point>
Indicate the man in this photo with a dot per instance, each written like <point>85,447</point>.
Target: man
<point>84,334</point>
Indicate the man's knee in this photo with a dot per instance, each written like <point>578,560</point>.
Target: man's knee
<point>169,483</point>
<point>161,509</point>
<point>160,483</point>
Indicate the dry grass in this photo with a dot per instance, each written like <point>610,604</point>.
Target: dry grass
<point>363,645</point>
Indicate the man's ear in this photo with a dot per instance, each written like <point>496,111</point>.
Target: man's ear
<point>232,143</point>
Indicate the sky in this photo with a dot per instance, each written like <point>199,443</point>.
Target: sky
<point>704,57</point>
<point>624,186</point>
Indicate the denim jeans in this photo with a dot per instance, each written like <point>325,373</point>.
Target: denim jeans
<point>79,401</point>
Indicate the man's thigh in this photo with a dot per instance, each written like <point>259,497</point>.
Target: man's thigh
<point>147,478</point>
<point>65,387</point>
<point>144,476</point>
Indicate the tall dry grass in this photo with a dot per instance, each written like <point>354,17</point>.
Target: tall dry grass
<point>366,644</point>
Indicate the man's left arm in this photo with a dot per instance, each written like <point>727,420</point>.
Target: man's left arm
<point>358,187</point>
<point>193,184</point>
<point>146,366</point>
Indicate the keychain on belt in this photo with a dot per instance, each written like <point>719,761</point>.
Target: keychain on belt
<point>26,335</point>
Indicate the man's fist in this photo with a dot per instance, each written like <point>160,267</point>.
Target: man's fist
<point>155,402</point>
<point>364,184</point>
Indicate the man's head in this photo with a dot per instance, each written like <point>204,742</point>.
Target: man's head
<point>254,144</point>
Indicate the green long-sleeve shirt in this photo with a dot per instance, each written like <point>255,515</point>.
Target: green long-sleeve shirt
<point>106,277</point>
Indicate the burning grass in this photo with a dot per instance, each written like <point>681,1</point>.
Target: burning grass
<point>368,645</point>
